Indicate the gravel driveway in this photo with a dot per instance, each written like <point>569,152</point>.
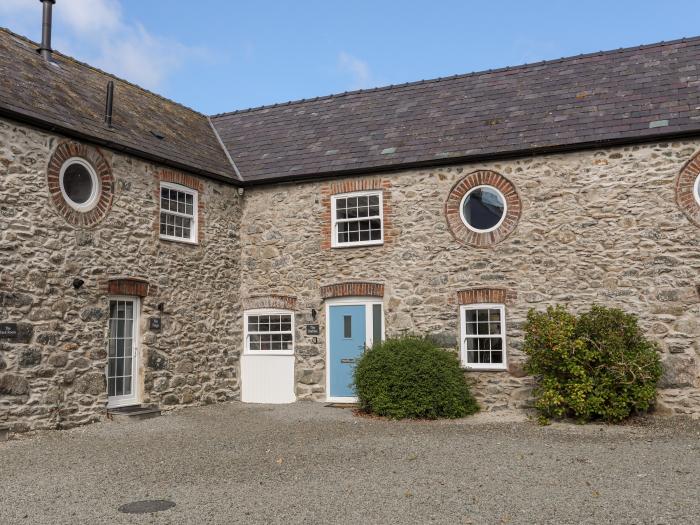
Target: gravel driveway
<point>306,463</point>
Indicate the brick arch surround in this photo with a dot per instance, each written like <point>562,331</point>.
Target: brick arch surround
<point>454,220</point>
<point>128,286</point>
<point>685,189</point>
<point>350,186</point>
<point>188,181</point>
<point>353,289</point>
<point>281,302</point>
<point>64,151</point>
<point>486,295</point>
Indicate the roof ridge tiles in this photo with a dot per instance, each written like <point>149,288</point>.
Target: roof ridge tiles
<point>462,75</point>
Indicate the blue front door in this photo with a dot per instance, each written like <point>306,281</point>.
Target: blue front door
<point>347,342</point>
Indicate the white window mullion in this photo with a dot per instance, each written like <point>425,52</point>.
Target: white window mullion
<point>178,214</point>
<point>345,203</point>
<point>480,357</point>
<point>255,338</point>
<point>187,230</point>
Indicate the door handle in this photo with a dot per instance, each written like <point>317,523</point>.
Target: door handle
<point>347,361</point>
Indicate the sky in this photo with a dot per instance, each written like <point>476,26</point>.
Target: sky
<point>223,55</point>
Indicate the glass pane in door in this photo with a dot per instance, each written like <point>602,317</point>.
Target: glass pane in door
<point>121,348</point>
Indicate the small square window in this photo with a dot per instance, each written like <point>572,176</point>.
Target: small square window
<point>357,219</point>
<point>178,213</point>
<point>483,336</point>
<point>269,332</point>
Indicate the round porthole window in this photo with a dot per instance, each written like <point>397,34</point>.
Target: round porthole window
<point>483,209</point>
<point>79,184</point>
<point>697,189</point>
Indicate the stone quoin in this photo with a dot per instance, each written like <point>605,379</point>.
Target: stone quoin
<point>177,259</point>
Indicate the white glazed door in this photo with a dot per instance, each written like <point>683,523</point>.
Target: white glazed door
<point>122,352</point>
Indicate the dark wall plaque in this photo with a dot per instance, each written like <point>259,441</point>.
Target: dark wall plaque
<point>313,329</point>
<point>154,324</point>
<point>8,330</point>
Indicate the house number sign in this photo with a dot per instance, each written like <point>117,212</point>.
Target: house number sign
<point>8,330</point>
<point>312,329</point>
<point>154,324</point>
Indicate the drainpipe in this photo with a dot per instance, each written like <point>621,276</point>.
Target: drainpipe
<point>45,48</point>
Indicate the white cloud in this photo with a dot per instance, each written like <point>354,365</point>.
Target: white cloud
<point>91,16</point>
<point>20,15</point>
<point>97,32</point>
<point>357,69</point>
<point>10,6</point>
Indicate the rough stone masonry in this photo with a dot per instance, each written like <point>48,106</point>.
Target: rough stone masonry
<point>52,375</point>
<point>599,226</point>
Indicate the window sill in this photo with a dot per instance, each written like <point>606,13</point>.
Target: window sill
<point>270,353</point>
<point>179,241</point>
<point>472,369</point>
<point>357,245</point>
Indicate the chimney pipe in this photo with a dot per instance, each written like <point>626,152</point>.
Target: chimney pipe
<point>45,48</point>
<point>108,104</point>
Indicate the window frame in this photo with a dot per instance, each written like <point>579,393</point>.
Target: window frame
<point>463,336</point>
<point>696,189</point>
<point>95,193</point>
<point>136,386</point>
<point>335,243</point>
<point>498,224</point>
<point>194,229</point>
<point>267,311</point>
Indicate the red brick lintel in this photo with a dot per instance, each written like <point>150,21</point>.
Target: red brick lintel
<point>352,290</point>
<point>486,295</point>
<point>278,302</point>
<point>128,286</point>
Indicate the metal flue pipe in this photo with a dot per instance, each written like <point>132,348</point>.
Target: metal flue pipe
<point>109,103</point>
<point>45,48</point>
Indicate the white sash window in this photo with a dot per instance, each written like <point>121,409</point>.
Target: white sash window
<point>358,219</point>
<point>483,341</point>
<point>178,213</point>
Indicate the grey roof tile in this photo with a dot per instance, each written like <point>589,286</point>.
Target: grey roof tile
<point>70,95</point>
<point>608,96</point>
<point>623,95</point>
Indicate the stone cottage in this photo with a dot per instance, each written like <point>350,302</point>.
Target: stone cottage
<point>154,256</point>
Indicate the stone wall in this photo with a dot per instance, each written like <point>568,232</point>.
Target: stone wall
<point>595,227</point>
<point>598,226</point>
<point>52,374</point>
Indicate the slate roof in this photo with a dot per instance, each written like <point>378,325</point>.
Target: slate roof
<point>623,96</point>
<point>615,97</point>
<point>70,97</point>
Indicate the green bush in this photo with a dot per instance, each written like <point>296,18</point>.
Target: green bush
<point>410,377</point>
<point>598,365</point>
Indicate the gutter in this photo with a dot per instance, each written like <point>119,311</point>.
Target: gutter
<point>116,146</point>
<point>240,182</point>
<point>470,159</point>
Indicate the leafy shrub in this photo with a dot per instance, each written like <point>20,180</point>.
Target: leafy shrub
<point>410,377</point>
<point>598,365</point>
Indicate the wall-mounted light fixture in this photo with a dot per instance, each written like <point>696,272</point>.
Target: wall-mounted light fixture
<point>313,313</point>
<point>161,307</point>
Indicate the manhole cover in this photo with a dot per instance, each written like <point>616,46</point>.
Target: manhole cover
<point>146,506</point>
